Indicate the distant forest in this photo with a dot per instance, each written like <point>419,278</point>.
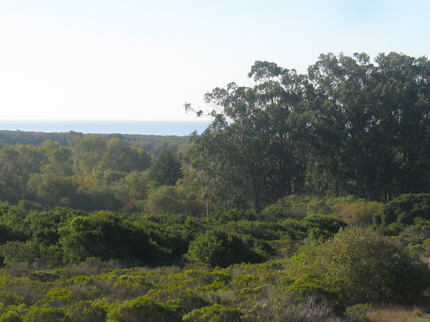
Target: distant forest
<point>150,143</point>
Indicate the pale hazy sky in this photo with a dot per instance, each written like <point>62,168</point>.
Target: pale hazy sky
<point>142,60</point>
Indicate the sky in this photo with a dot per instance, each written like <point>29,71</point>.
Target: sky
<point>143,59</point>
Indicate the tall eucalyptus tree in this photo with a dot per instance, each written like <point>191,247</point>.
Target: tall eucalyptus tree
<point>371,123</point>
<point>252,142</point>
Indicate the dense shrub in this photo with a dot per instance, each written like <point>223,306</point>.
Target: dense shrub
<point>171,200</point>
<point>106,236</point>
<point>10,316</point>
<point>218,248</point>
<point>402,211</point>
<point>296,207</point>
<point>362,266</point>
<point>233,215</point>
<point>46,314</point>
<point>144,309</point>
<point>43,225</point>
<point>217,312</point>
<point>87,311</point>
<point>322,227</point>
<point>31,252</point>
<point>355,212</point>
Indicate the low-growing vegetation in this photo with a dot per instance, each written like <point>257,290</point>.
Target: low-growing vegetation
<point>69,265</point>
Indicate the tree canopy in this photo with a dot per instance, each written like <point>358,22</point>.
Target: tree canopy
<point>347,127</point>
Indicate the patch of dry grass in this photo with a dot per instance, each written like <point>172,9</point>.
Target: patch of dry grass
<point>397,314</point>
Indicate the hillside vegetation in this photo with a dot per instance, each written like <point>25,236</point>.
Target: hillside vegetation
<point>306,199</point>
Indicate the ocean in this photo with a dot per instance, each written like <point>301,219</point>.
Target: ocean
<point>179,128</point>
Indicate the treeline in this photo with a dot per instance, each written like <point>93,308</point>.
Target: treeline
<point>90,173</point>
<point>153,144</point>
<point>347,127</point>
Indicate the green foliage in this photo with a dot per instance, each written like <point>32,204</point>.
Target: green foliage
<point>321,228</point>
<point>165,200</point>
<point>166,170</point>
<point>10,316</point>
<point>9,299</point>
<point>296,207</point>
<point>170,200</point>
<point>132,189</point>
<point>221,217</point>
<point>43,225</point>
<point>172,232</point>
<point>402,211</point>
<point>218,248</point>
<point>144,309</point>
<point>362,266</point>
<point>256,229</point>
<point>30,252</point>
<point>46,314</point>
<point>51,189</point>
<point>355,212</point>
<point>107,236</point>
<point>58,159</point>
<point>88,311</point>
<point>215,313</point>
<point>96,198</point>
<point>122,158</point>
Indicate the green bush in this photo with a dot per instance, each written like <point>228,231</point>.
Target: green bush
<point>324,222</point>
<point>218,248</point>
<point>171,200</point>
<point>10,316</point>
<point>214,313</point>
<point>46,314</point>
<point>296,207</point>
<point>401,211</point>
<point>30,252</point>
<point>87,311</point>
<point>106,236</point>
<point>355,212</point>
<point>362,266</point>
<point>144,309</point>
<point>222,217</point>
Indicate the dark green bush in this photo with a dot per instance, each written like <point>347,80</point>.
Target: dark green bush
<point>222,217</point>
<point>218,248</point>
<point>402,211</point>
<point>106,236</point>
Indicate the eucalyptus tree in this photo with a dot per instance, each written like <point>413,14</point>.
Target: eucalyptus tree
<point>404,100</point>
<point>349,127</point>
<point>370,126</point>
<point>252,150</point>
<point>343,121</point>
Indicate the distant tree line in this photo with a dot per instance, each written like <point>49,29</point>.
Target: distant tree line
<point>153,144</point>
<point>90,173</point>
